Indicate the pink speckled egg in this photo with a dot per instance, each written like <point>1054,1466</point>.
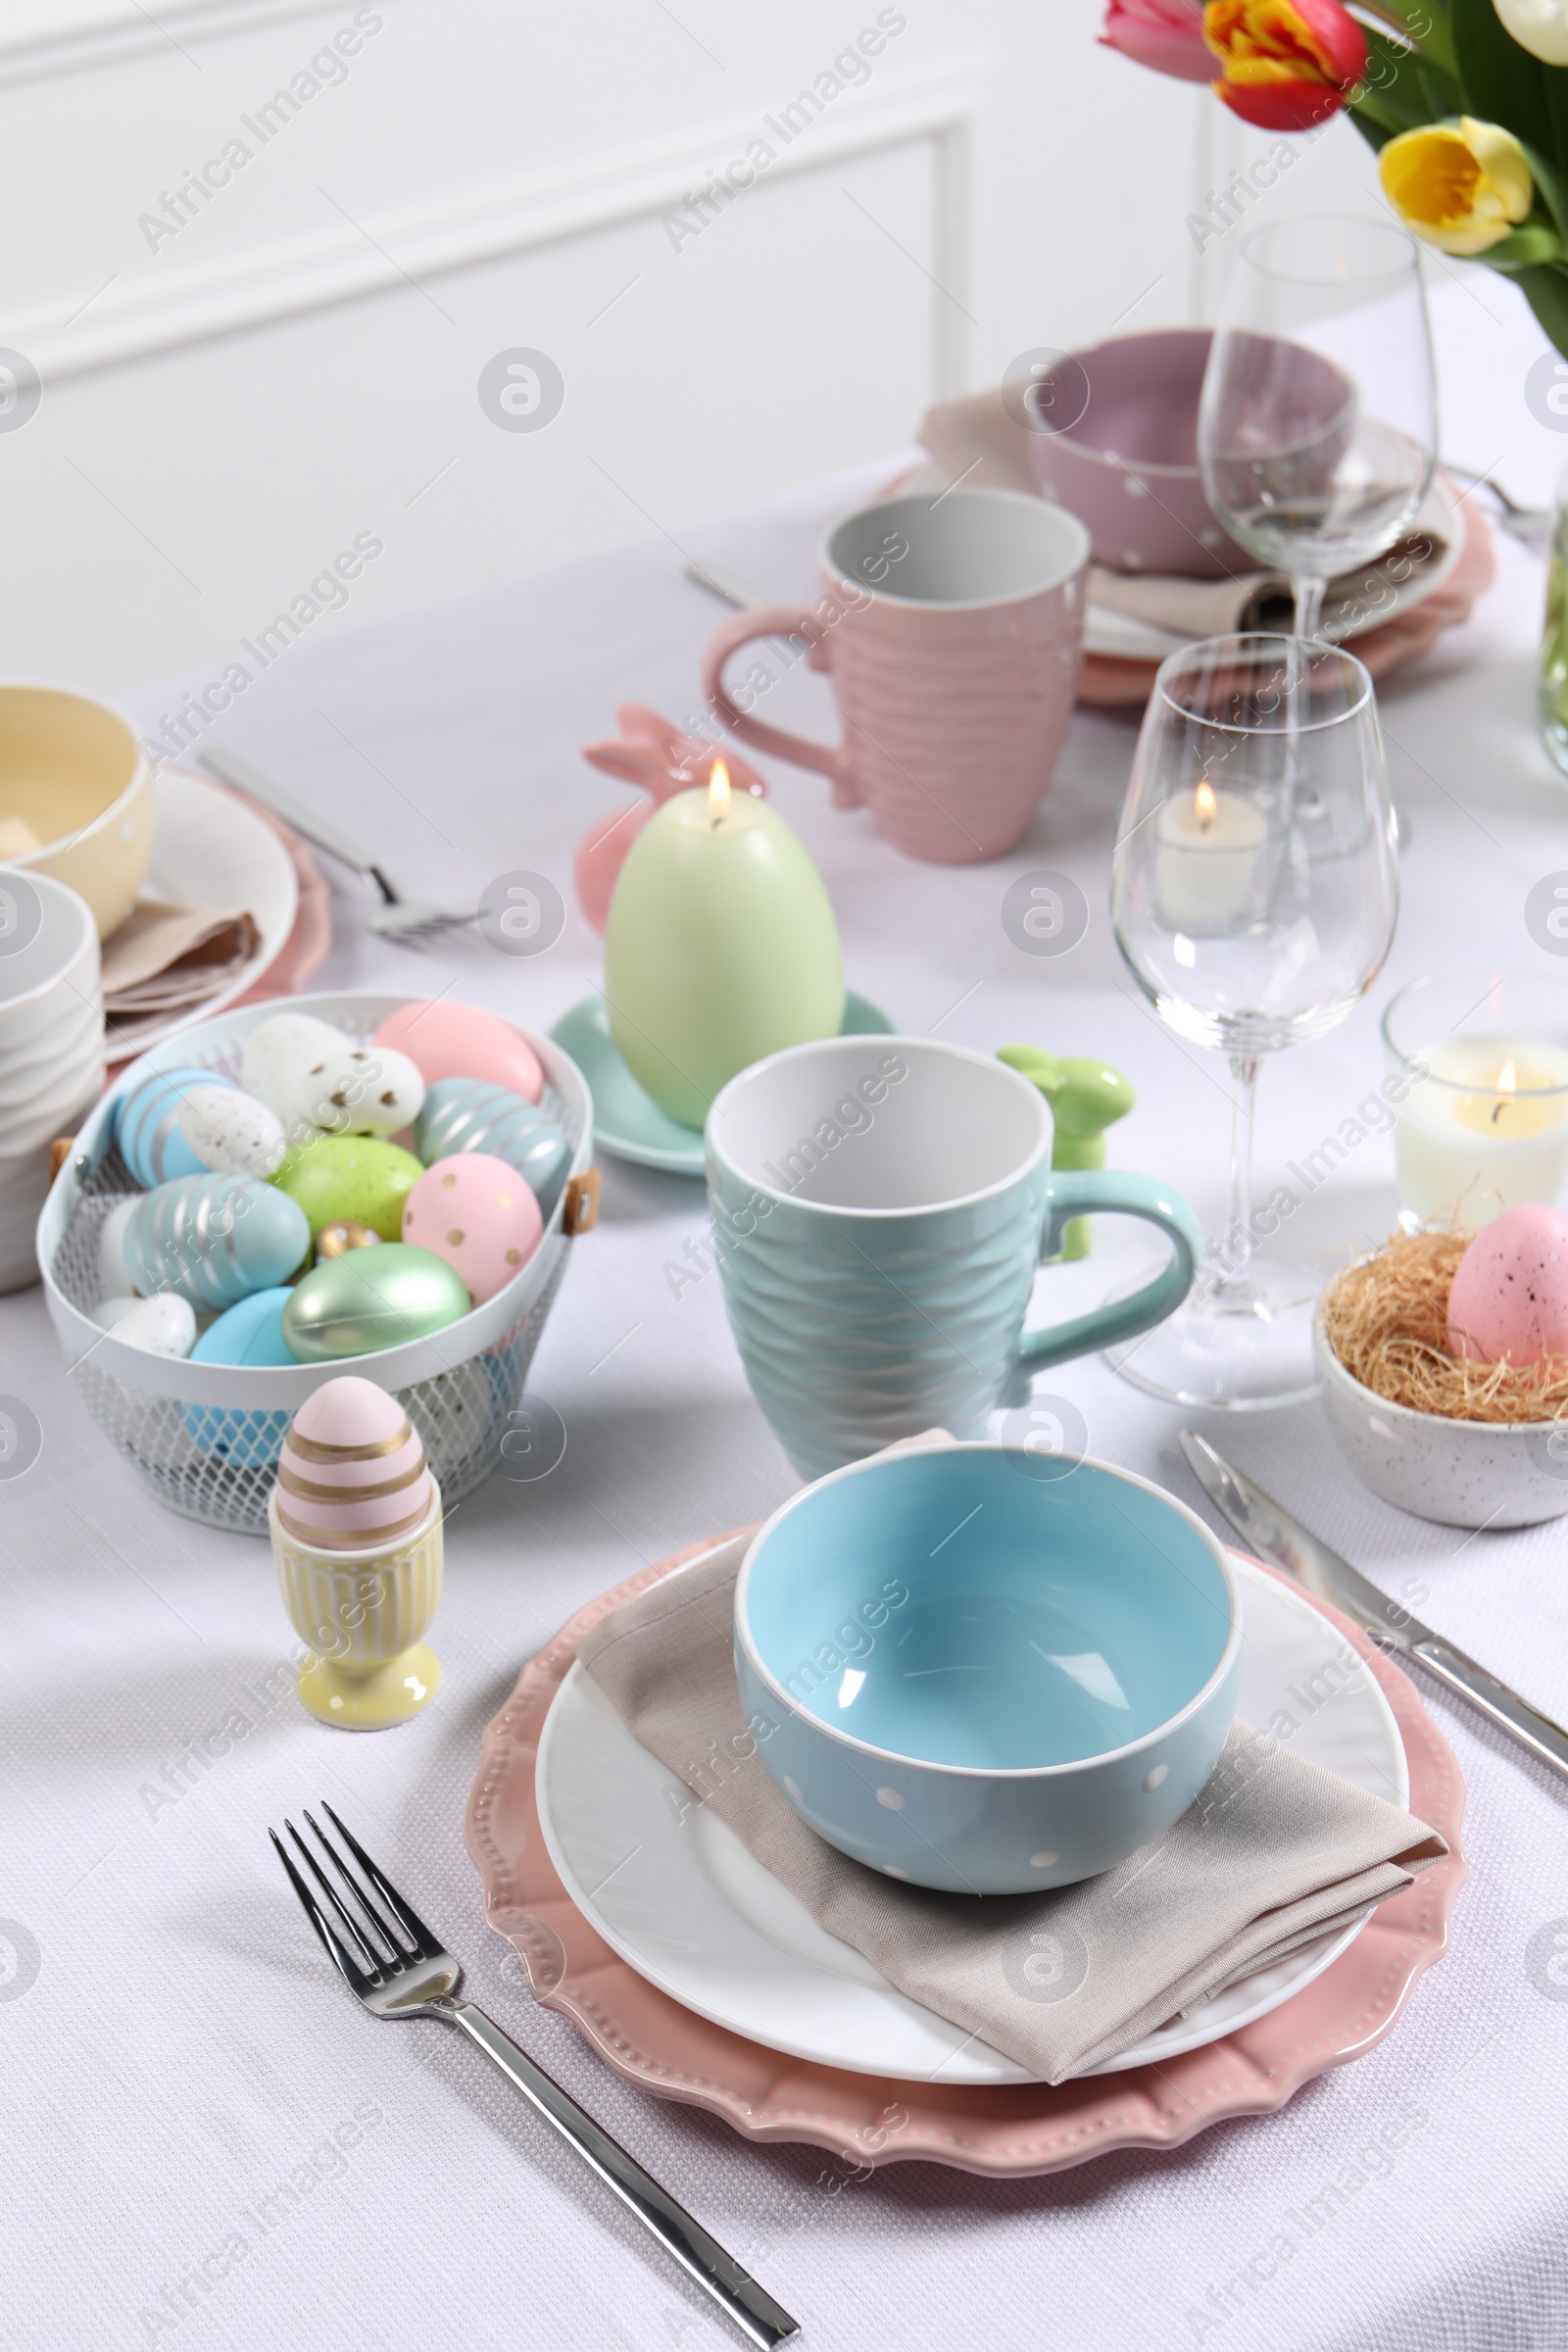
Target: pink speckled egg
<point>459,1041</point>
<point>478,1214</point>
<point>1509,1299</point>
<point>352,1474</point>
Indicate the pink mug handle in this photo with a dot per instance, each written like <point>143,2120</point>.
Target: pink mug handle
<point>775,620</point>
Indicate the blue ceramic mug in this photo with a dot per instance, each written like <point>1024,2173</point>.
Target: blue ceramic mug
<point>880,1207</point>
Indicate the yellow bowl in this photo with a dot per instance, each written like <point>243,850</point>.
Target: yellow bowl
<point>75,797</point>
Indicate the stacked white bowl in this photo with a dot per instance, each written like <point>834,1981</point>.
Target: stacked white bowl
<point>51,1047</point>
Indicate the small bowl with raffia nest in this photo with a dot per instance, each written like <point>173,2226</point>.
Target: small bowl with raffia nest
<point>1467,1443</point>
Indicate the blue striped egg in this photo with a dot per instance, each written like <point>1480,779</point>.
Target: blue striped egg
<point>251,1332</point>
<point>212,1239</point>
<point>466,1114</point>
<point>152,1142</point>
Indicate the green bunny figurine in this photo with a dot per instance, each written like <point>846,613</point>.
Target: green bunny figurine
<point>1086,1097</point>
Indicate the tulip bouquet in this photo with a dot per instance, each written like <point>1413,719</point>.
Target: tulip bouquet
<point>1466,101</point>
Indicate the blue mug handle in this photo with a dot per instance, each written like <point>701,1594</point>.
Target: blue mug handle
<point>1078,1192</point>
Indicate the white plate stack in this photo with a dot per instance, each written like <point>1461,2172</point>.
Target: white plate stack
<point>51,1047</point>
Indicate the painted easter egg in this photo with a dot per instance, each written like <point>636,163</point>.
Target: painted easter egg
<point>251,1332</point>
<point>464,1114</point>
<point>164,1326</point>
<point>369,1298</point>
<point>351,1179</point>
<point>1509,1296</point>
<point>317,1080</point>
<point>149,1129</point>
<point>353,1472</point>
<point>333,1240</point>
<point>232,1133</point>
<point>212,1239</point>
<point>476,1212</point>
<point>108,1311</point>
<point>113,1269</point>
<point>459,1041</point>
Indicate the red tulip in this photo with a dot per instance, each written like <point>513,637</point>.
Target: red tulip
<point>1288,63</point>
<point>1166,35</point>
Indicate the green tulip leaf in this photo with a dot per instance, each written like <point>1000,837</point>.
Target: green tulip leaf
<point>1500,81</point>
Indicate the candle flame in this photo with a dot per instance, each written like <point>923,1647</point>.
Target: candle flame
<point>1205,803</point>
<point>1507,1079</point>
<point>719,793</point>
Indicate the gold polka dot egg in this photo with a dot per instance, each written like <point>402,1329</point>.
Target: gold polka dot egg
<point>478,1213</point>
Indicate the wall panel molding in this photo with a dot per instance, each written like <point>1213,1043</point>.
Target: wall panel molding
<point>384,253</point>
<point>37,45</point>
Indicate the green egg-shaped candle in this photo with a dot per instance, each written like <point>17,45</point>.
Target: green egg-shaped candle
<point>351,1179</point>
<point>369,1298</point>
<point>721,947</point>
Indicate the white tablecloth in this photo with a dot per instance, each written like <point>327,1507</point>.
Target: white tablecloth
<point>206,2144</point>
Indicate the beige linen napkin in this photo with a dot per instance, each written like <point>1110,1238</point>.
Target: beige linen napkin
<point>977,440</point>
<point>167,958</point>
<point>1274,1852</point>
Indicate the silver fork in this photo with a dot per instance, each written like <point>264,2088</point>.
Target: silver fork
<point>397,1967</point>
<point>395,917</point>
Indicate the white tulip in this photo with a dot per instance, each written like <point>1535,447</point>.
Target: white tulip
<point>1538,25</point>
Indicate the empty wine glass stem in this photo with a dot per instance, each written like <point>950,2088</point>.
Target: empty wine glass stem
<point>1309,599</point>
<point>1232,1281</point>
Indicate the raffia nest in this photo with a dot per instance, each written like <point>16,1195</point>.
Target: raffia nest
<point>1387,1321</point>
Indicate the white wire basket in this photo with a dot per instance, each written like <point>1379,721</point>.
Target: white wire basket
<point>206,1438</point>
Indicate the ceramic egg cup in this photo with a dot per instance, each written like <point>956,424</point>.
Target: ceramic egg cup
<point>461,1387</point>
<point>365,1614</point>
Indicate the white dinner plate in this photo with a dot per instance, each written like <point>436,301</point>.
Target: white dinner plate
<point>1125,639</point>
<point>674,1891</point>
<point>210,850</point>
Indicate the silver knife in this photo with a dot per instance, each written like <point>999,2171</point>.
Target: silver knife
<point>1268,1528</point>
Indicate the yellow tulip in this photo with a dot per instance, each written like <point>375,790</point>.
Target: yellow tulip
<point>1462,186</point>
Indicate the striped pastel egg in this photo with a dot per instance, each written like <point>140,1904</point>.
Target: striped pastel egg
<point>352,1475</point>
<point>149,1129</point>
<point>211,1239</point>
<point>464,1114</point>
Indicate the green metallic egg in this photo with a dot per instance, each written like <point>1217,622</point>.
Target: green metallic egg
<point>371,1298</point>
<point>351,1179</point>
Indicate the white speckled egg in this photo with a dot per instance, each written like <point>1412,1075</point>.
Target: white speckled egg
<point>478,1213</point>
<point>230,1133</point>
<point>318,1081</point>
<point>164,1325</point>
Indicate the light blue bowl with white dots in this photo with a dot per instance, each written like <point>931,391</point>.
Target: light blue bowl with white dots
<point>987,1670</point>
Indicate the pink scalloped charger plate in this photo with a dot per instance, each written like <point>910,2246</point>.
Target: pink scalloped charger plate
<point>1008,2129</point>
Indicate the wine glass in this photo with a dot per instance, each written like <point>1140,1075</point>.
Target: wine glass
<point>1317,428</point>
<point>1254,914</point>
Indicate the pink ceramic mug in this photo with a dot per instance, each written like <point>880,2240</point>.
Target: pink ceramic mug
<point>952,627</point>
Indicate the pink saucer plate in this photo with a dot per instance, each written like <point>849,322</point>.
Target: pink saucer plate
<point>1012,2129</point>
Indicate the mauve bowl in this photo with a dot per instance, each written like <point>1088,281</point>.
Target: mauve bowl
<point>1459,1473</point>
<point>1114,439</point>
<point>984,1670</point>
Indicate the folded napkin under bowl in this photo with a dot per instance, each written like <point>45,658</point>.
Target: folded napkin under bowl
<point>981,1670</point>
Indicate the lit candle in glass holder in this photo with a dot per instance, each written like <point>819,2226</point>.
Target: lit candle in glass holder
<point>1208,866</point>
<point>1484,1129</point>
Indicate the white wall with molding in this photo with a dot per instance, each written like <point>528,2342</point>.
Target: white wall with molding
<point>229,396</point>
